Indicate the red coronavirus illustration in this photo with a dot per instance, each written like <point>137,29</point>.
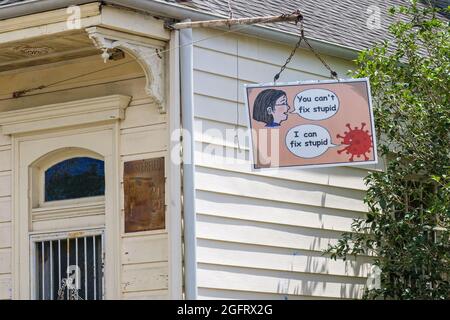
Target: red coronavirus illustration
<point>359,142</point>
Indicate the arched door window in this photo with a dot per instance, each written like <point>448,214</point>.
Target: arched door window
<point>75,178</point>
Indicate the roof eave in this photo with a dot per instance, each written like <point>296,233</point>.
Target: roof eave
<point>180,12</point>
<point>176,11</point>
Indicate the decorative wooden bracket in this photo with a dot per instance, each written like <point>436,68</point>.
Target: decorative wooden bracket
<point>145,51</point>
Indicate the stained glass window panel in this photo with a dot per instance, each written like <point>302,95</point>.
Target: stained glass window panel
<point>75,178</point>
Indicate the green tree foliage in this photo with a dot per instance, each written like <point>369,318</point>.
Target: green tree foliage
<point>407,226</point>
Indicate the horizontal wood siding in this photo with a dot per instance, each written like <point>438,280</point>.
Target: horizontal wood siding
<point>5,287</point>
<point>5,218</point>
<point>261,234</point>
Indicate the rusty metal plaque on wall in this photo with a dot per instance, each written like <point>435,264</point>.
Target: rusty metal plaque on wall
<point>144,188</point>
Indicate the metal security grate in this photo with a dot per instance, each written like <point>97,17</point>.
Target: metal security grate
<point>69,267</point>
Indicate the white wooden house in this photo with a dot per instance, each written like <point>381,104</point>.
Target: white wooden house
<point>68,92</point>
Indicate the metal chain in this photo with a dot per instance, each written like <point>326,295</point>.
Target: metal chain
<point>72,292</point>
<point>62,289</point>
<point>277,76</point>
<point>333,73</point>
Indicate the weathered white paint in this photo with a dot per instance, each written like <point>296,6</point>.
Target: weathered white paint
<point>5,235</point>
<point>139,114</point>
<point>5,218</point>
<point>74,113</point>
<point>143,139</point>
<point>5,184</point>
<point>5,158</point>
<point>145,277</point>
<point>5,261</point>
<point>5,140</point>
<point>47,18</point>
<point>5,287</point>
<point>139,24</point>
<point>5,209</point>
<point>147,295</point>
<point>261,234</point>
<point>144,249</point>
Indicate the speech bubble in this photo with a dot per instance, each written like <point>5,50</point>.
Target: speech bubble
<point>316,104</point>
<point>308,140</point>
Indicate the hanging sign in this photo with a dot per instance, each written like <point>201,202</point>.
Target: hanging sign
<point>311,124</point>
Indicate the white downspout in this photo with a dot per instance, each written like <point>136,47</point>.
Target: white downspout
<point>187,115</point>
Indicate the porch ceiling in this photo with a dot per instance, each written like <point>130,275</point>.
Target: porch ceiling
<point>44,50</point>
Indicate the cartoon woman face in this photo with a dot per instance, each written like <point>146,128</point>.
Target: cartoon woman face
<point>271,107</point>
<point>280,111</point>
